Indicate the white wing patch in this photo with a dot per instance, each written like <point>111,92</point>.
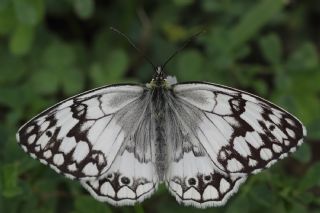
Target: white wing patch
<point>241,133</point>
<point>81,136</point>
<point>127,182</point>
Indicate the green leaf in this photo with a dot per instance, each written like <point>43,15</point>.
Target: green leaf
<point>183,3</point>
<point>85,204</point>
<point>253,20</point>
<point>10,96</point>
<point>261,87</point>
<point>7,18</point>
<point>84,8</point>
<point>239,204</point>
<point>97,74</point>
<point>190,65</point>
<point>44,82</point>
<point>116,64</point>
<point>72,81</point>
<point>9,180</point>
<point>262,195</point>
<point>310,179</point>
<point>29,12</point>
<point>271,49</point>
<point>175,32</point>
<point>303,154</point>
<point>4,4</point>
<point>138,208</point>
<point>58,55</point>
<point>304,59</point>
<point>21,40</point>
<point>111,70</point>
<point>8,64</point>
<point>59,64</point>
<point>313,127</point>
<point>211,6</point>
<point>298,208</point>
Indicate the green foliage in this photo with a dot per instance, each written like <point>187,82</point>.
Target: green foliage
<point>84,204</point>
<point>84,8</point>
<point>9,180</point>
<point>271,49</point>
<point>51,50</point>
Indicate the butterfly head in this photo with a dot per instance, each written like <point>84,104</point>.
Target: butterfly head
<point>159,79</point>
<point>159,74</point>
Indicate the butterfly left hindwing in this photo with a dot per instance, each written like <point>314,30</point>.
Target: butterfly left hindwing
<point>127,182</point>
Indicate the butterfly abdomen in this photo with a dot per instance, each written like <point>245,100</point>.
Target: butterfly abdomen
<point>160,142</point>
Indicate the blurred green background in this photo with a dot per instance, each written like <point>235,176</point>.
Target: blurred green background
<point>50,50</point>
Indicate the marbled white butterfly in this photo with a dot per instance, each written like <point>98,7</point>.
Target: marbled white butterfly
<point>201,139</point>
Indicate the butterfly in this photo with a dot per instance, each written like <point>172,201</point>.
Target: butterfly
<point>200,139</point>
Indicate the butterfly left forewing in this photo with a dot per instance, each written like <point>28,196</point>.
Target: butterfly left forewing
<point>241,132</point>
<point>80,136</point>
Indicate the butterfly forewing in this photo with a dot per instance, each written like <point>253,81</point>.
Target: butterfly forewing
<point>240,132</point>
<point>80,137</point>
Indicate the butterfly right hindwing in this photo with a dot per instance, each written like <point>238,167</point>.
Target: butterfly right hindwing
<point>194,181</point>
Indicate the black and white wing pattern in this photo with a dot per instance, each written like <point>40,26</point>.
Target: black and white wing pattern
<point>193,181</point>
<point>240,132</point>
<point>81,136</point>
<point>222,135</point>
<point>127,182</point>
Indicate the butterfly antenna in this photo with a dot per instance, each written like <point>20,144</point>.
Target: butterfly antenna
<point>192,38</point>
<point>133,45</point>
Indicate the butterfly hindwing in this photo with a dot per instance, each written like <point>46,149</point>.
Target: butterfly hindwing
<point>193,181</point>
<point>241,132</point>
<point>81,136</point>
<point>127,182</point>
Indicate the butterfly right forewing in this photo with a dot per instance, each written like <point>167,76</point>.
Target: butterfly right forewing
<point>241,132</point>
